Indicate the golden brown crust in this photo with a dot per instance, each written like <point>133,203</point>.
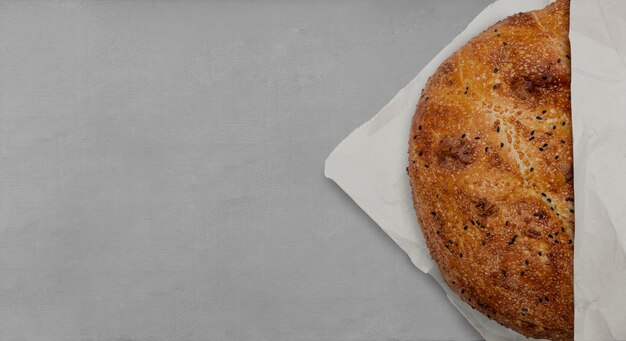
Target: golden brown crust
<point>490,163</point>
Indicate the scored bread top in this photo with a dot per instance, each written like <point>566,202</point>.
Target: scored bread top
<point>491,169</point>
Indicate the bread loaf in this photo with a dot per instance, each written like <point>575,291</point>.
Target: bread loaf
<point>491,170</point>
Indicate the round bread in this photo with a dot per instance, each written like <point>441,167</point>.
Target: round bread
<point>490,164</point>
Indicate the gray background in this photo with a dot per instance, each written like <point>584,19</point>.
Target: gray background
<point>161,170</point>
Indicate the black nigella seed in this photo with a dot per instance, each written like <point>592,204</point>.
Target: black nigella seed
<point>498,129</point>
<point>531,138</point>
<point>549,200</point>
<point>569,199</point>
<point>558,61</point>
<point>545,145</point>
<point>420,153</point>
<point>463,136</point>
<point>433,213</point>
<point>505,43</point>
<point>553,127</point>
<point>460,254</point>
<point>571,211</point>
<point>556,157</point>
<point>495,86</point>
<point>426,165</point>
<point>568,56</point>
<point>501,144</point>
<point>532,133</point>
<point>512,241</point>
<point>450,241</point>
<point>532,169</point>
<point>549,133</point>
<point>426,99</point>
<point>465,227</point>
<point>544,78</point>
<point>419,128</point>
<point>562,229</point>
<point>550,235</point>
<point>414,137</point>
<point>544,111</point>
<point>563,123</point>
<point>477,138</point>
<point>562,141</point>
<point>521,274</point>
<point>538,117</point>
<point>540,149</point>
<point>506,223</point>
<point>486,149</point>
<point>462,291</point>
<point>569,241</point>
<point>526,261</point>
<point>543,194</point>
<point>539,253</point>
<point>495,70</point>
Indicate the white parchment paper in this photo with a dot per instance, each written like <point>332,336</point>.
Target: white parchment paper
<point>370,166</point>
<point>598,38</point>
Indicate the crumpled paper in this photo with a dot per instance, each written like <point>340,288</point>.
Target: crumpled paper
<point>598,39</point>
<point>370,166</point>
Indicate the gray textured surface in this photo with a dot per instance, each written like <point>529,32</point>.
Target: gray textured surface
<point>161,170</point>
